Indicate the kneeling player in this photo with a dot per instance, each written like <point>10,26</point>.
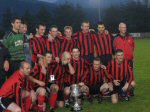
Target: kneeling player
<point>122,76</point>
<point>98,80</point>
<point>13,96</point>
<point>58,72</point>
<point>38,80</point>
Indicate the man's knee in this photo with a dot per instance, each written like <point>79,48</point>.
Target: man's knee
<point>67,91</point>
<point>54,88</point>
<point>114,98</point>
<point>104,87</point>
<point>133,84</point>
<point>41,91</point>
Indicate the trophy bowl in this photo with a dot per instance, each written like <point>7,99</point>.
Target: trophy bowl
<point>75,91</point>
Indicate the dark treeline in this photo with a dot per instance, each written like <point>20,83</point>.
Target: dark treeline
<point>134,13</point>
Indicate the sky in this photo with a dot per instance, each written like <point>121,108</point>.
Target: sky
<point>51,1</point>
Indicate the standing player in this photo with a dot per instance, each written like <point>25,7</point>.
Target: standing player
<point>66,42</point>
<point>122,76</point>
<point>125,42</point>
<point>53,43</point>
<point>23,29</point>
<point>103,43</point>
<point>14,41</point>
<point>85,42</point>
<point>37,43</point>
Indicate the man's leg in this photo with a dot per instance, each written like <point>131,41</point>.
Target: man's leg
<point>41,92</point>
<point>53,95</point>
<point>8,104</point>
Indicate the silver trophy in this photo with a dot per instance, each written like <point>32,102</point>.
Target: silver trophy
<point>75,93</point>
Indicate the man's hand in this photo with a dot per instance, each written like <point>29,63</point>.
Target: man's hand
<point>57,59</point>
<point>31,36</point>
<point>81,84</point>
<point>110,85</point>
<point>103,67</point>
<point>50,38</point>
<point>40,83</point>
<point>43,70</point>
<point>6,65</point>
<point>125,87</point>
<point>117,82</point>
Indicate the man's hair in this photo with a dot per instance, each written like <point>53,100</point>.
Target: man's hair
<point>100,23</point>
<point>53,26</point>
<point>118,51</point>
<point>65,54</point>
<point>68,27</point>
<point>96,59</point>
<point>22,64</point>
<point>24,22</point>
<point>48,52</point>
<point>75,48</point>
<point>15,18</point>
<point>85,21</point>
<point>40,24</point>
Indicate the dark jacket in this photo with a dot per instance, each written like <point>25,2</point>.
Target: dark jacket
<point>4,55</point>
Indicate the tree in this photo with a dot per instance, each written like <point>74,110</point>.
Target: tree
<point>43,15</point>
<point>31,21</point>
<point>6,19</point>
<point>67,14</point>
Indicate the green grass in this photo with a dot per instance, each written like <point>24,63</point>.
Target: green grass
<point>141,101</point>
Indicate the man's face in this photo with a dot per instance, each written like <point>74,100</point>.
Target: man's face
<point>66,58</point>
<point>48,58</point>
<point>16,24</point>
<point>41,30</point>
<point>23,28</point>
<point>68,33</point>
<point>119,57</point>
<point>26,69</point>
<point>122,28</point>
<point>96,65</point>
<point>85,27</point>
<point>101,28</point>
<point>54,32</point>
<point>75,53</point>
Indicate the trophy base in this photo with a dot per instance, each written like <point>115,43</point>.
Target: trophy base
<point>72,109</point>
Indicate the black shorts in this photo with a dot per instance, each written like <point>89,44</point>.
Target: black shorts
<point>89,58</point>
<point>95,89</point>
<point>105,59</point>
<point>60,95</point>
<point>61,92</point>
<point>131,63</point>
<point>116,89</point>
<point>5,102</point>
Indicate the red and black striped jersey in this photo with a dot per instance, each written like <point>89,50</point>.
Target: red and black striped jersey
<point>37,46</point>
<point>120,71</point>
<point>53,47</point>
<point>85,42</point>
<point>59,71</point>
<point>13,86</point>
<point>96,77</point>
<point>81,69</point>
<point>36,73</point>
<point>103,44</point>
<point>67,45</point>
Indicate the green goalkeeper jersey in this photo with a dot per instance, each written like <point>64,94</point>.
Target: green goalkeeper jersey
<point>15,44</point>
